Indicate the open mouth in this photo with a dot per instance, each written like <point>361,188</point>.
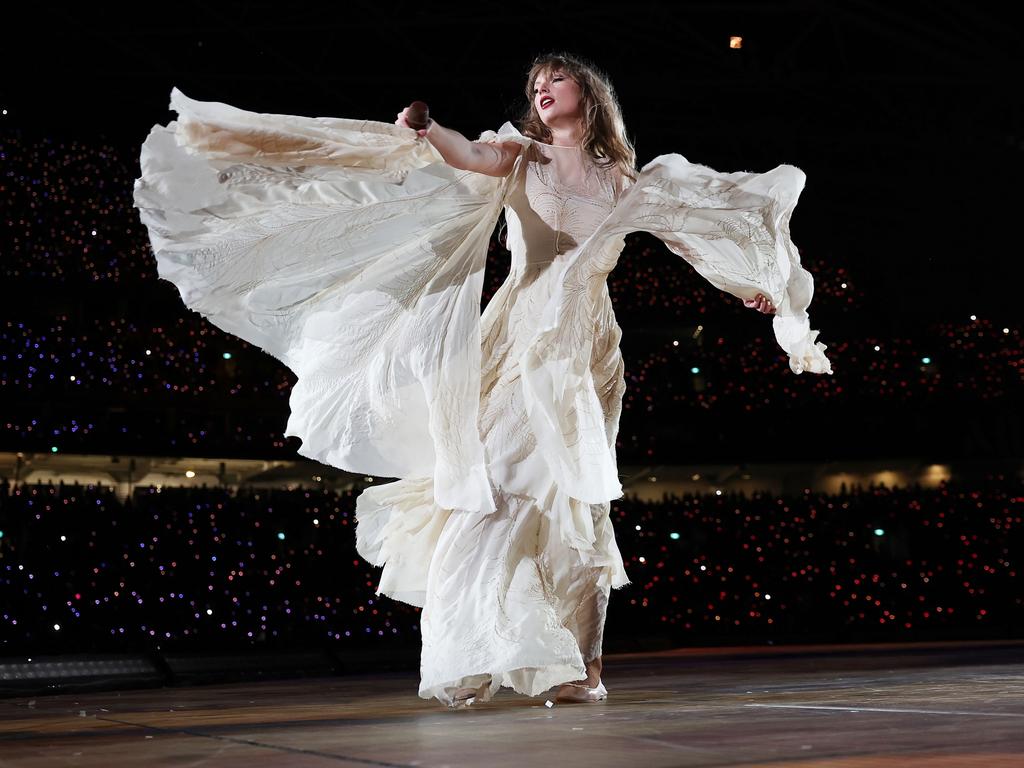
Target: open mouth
<point>546,102</point>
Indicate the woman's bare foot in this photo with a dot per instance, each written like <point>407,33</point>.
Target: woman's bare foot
<point>593,674</point>
<point>463,694</point>
<point>589,689</point>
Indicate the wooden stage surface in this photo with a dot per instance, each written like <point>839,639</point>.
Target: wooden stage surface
<point>905,706</point>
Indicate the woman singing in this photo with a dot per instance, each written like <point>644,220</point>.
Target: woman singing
<point>353,251</point>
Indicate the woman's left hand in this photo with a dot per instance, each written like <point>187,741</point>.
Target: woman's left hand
<point>761,303</point>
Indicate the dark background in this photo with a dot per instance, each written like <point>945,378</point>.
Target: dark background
<point>905,116</point>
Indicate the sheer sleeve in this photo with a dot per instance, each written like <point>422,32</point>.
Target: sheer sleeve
<point>351,252</point>
<point>221,133</point>
<point>733,229</point>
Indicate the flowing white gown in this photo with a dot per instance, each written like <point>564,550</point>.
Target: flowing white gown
<point>351,252</point>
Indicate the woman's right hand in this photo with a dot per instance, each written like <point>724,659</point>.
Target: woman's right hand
<point>403,122</point>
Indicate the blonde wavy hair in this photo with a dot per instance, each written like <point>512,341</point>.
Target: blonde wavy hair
<point>604,132</point>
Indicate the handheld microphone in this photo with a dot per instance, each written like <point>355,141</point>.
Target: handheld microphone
<point>418,116</point>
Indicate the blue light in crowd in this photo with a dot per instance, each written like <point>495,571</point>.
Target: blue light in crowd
<point>227,355</point>
<point>926,360</point>
<point>280,535</point>
<point>695,369</point>
<point>673,535</point>
<point>879,532</point>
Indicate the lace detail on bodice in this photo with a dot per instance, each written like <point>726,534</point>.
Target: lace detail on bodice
<point>562,195</point>
<point>571,172</point>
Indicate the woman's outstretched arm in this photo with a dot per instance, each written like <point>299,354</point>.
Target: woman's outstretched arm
<point>492,159</point>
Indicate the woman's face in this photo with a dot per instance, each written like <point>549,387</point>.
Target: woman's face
<point>556,97</point>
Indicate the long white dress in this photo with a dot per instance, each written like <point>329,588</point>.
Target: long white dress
<point>351,252</point>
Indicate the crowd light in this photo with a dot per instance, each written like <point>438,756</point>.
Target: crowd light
<point>208,547</point>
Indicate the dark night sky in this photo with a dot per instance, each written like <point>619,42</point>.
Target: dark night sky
<point>906,117</point>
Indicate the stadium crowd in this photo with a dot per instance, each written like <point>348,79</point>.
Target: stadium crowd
<point>187,568</point>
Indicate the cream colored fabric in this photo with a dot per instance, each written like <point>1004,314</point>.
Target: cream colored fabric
<point>360,268</point>
<point>351,252</point>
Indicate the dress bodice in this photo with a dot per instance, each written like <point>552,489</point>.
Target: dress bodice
<point>558,198</point>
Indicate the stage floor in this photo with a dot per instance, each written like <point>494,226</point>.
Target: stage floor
<point>850,707</point>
